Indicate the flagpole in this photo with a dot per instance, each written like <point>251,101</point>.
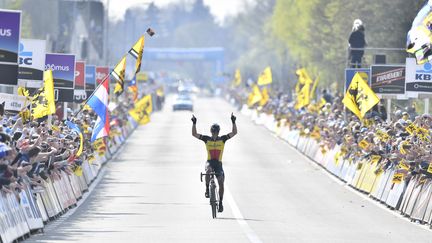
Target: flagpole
<point>149,32</point>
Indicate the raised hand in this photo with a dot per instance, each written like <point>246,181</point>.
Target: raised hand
<point>233,118</point>
<point>193,119</point>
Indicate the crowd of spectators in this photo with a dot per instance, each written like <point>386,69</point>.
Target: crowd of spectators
<point>403,141</point>
<point>32,151</point>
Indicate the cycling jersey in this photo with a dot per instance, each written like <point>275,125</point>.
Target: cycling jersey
<point>214,147</point>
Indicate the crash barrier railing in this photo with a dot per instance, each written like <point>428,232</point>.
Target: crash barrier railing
<point>410,195</point>
<point>35,208</point>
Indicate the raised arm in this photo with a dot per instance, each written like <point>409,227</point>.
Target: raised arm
<point>194,130</point>
<point>234,127</point>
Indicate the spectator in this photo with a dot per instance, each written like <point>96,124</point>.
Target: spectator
<point>327,96</point>
<point>357,40</point>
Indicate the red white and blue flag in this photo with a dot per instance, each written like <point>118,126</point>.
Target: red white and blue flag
<point>99,103</point>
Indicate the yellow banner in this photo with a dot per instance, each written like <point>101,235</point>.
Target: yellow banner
<point>397,178</point>
<point>265,97</point>
<point>411,128</point>
<point>383,136</point>
<point>255,96</point>
<point>43,103</point>
<point>359,98</point>
<point>265,77</point>
<point>379,171</point>
<point>429,168</point>
<point>237,78</point>
<point>363,144</point>
<point>119,74</point>
<point>375,158</point>
<point>142,110</point>
<point>403,165</point>
<point>137,51</point>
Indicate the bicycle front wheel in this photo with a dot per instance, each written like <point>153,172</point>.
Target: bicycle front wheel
<point>214,210</point>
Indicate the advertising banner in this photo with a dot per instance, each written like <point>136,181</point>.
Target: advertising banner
<point>79,75</point>
<point>13,102</point>
<point>63,68</point>
<point>388,79</point>
<point>64,95</point>
<point>101,73</point>
<point>79,91</point>
<point>350,72</point>
<point>90,78</point>
<point>418,78</point>
<point>31,62</point>
<point>10,24</point>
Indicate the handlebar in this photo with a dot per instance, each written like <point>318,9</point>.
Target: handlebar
<point>210,174</point>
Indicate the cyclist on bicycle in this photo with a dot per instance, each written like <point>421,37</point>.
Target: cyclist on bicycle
<point>215,146</point>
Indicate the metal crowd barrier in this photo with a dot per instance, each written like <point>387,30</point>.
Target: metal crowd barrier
<point>34,209</point>
<point>411,196</point>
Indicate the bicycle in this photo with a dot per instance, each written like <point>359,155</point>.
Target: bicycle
<point>213,192</point>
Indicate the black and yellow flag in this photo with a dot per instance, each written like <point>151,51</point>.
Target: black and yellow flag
<point>237,78</point>
<point>314,86</point>
<point>303,96</point>
<point>303,77</point>
<point>254,96</point>
<point>265,77</point>
<point>359,98</point>
<point>264,97</point>
<point>119,74</point>
<point>141,112</point>
<point>23,92</point>
<point>137,51</point>
<point>43,103</point>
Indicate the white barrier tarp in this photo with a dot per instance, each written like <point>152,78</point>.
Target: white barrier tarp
<point>31,212</point>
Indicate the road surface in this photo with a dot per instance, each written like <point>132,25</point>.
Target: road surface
<point>152,192</point>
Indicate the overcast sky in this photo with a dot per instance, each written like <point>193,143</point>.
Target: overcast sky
<point>219,8</point>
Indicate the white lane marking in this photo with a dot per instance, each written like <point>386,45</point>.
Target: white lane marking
<point>252,236</point>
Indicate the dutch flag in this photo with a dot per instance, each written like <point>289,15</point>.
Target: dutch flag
<point>99,103</point>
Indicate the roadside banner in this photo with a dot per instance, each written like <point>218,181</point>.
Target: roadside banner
<point>10,25</point>
<point>388,79</point>
<point>101,73</point>
<point>31,63</point>
<point>79,91</point>
<point>350,72</point>
<point>79,75</point>
<point>418,78</point>
<point>63,68</point>
<point>90,77</point>
<point>13,102</point>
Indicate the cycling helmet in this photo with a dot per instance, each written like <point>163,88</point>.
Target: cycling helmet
<point>215,128</point>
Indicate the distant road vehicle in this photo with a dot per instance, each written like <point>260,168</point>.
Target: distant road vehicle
<point>183,102</point>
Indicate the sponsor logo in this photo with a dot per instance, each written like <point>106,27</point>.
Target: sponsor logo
<point>5,32</point>
<point>25,57</point>
<point>424,72</point>
<point>100,75</point>
<point>387,77</point>
<point>54,67</point>
<point>15,104</point>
